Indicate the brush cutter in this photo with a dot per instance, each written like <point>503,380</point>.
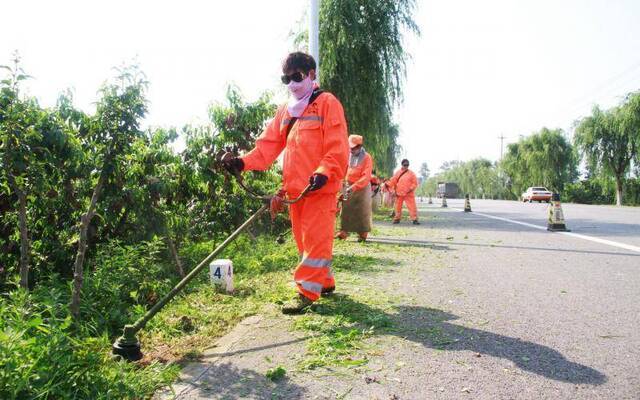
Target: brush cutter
<point>127,346</point>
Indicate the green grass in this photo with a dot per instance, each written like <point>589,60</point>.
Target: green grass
<point>382,214</point>
<point>261,276</point>
<point>44,355</point>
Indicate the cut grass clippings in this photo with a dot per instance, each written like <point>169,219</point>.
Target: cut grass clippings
<point>276,374</point>
<point>339,325</point>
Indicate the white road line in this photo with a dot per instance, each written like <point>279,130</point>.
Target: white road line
<point>543,228</point>
<point>576,235</point>
<point>603,241</point>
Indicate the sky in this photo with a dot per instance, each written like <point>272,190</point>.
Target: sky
<point>479,69</point>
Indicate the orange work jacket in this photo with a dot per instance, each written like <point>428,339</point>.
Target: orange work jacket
<point>359,175</point>
<point>404,184</point>
<point>317,143</point>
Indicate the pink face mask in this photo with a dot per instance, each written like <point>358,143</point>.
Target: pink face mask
<point>301,92</point>
<point>301,89</point>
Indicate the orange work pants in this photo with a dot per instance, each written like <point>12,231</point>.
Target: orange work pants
<point>313,221</point>
<point>410,201</point>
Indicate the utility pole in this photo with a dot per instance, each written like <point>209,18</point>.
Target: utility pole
<point>314,35</point>
<point>502,138</point>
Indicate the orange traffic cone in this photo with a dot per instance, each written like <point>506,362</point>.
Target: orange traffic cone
<point>555,221</point>
<point>444,202</point>
<point>467,204</point>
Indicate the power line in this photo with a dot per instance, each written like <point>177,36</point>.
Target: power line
<point>611,85</point>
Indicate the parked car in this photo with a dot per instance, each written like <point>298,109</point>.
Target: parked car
<point>538,193</point>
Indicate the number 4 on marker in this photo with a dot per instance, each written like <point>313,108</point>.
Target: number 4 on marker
<point>218,273</point>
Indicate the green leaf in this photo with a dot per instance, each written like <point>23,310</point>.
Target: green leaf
<point>34,322</point>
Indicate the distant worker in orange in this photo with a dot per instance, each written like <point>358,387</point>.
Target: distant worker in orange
<point>356,209</point>
<point>376,196</point>
<point>404,183</point>
<point>387,195</point>
<point>312,131</point>
<point>375,183</point>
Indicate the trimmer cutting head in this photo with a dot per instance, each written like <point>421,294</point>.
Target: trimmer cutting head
<point>127,346</point>
<point>126,351</point>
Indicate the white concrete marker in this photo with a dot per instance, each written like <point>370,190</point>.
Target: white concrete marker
<point>221,274</point>
<point>576,235</point>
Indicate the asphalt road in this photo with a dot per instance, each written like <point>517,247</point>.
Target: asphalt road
<point>619,224</point>
<point>485,308</point>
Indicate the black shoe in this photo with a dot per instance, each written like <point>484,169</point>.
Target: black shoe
<point>396,221</point>
<point>415,222</point>
<point>328,291</point>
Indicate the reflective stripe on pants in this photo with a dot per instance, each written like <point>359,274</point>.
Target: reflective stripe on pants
<point>313,222</point>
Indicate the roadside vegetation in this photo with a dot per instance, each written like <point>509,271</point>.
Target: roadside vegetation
<point>606,144</point>
<point>99,218</point>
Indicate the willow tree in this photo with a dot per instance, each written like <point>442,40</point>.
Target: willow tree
<point>545,158</point>
<point>363,62</point>
<point>609,140</point>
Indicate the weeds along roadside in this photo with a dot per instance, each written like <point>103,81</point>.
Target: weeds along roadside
<point>137,193</point>
<point>44,355</point>
<point>51,360</point>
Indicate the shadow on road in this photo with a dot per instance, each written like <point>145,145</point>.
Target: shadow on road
<point>258,348</point>
<point>431,328</point>
<point>224,381</point>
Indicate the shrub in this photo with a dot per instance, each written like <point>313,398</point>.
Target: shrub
<point>125,279</point>
<point>602,191</point>
<point>588,192</point>
<point>42,356</point>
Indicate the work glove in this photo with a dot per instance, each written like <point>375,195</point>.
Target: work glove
<point>276,205</point>
<point>234,165</point>
<point>317,181</point>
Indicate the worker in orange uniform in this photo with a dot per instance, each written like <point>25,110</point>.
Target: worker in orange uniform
<point>356,208</point>
<point>376,196</point>
<point>404,183</point>
<point>375,183</point>
<point>312,131</point>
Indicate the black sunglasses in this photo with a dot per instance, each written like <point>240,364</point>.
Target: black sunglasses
<point>405,165</point>
<point>296,77</point>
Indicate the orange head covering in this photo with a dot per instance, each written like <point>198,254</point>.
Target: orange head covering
<point>355,140</point>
